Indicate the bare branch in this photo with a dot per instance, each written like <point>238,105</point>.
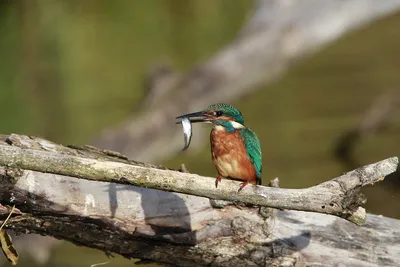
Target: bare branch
<point>181,229</point>
<point>337,197</point>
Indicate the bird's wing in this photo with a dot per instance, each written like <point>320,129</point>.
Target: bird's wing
<point>253,150</point>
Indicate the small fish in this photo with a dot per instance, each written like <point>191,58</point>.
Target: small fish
<point>187,131</point>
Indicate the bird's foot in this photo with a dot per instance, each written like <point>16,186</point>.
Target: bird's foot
<point>242,185</point>
<point>217,181</point>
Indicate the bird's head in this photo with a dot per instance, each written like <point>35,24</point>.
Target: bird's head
<point>218,114</point>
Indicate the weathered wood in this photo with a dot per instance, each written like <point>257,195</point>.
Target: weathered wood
<point>177,228</point>
<point>337,197</point>
<point>278,33</point>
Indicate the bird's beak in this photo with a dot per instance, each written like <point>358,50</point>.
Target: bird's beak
<point>200,116</point>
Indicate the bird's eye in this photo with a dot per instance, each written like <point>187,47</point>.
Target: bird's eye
<point>219,113</point>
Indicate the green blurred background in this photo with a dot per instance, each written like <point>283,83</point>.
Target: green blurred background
<point>72,68</point>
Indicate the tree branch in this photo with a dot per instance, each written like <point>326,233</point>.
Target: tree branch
<point>337,197</point>
<point>36,177</point>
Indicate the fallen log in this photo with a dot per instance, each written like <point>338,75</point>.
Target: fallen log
<point>101,208</point>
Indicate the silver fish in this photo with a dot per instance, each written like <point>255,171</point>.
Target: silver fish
<point>187,131</point>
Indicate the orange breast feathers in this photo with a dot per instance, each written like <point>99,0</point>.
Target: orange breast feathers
<point>230,156</point>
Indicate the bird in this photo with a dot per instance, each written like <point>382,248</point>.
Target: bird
<point>235,149</point>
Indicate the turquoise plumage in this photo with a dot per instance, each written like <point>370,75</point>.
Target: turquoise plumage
<point>253,149</point>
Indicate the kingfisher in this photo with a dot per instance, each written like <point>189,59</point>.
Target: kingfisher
<point>235,149</point>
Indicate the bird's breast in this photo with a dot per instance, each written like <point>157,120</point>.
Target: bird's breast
<point>230,156</point>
